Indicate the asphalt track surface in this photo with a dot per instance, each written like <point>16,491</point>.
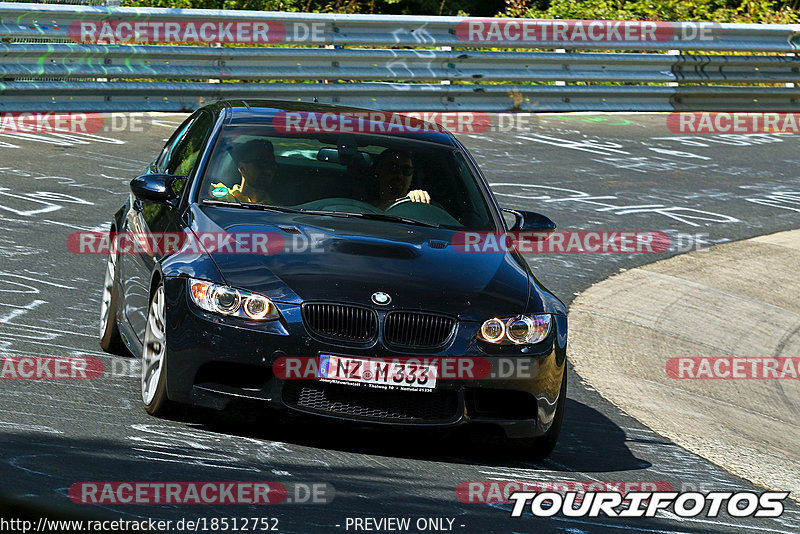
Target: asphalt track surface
<point>598,172</point>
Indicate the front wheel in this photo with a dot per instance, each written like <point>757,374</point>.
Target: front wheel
<point>540,448</point>
<point>154,356</point>
<point>110,340</point>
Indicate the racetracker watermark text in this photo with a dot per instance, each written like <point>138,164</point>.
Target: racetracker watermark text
<point>74,122</point>
<point>733,368</point>
<point>182,493</point>
<point>208,31</point>
<point>164,243</point>
<point>519,31</point>
<point>401,122</point>
<point>50,368</point>
<point>409,368</point>
<point>496,491</point>
<point>562,242</point>
<point>733,122</point>
<point>264,243</point>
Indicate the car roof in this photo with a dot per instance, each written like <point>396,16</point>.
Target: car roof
<point>260,111</point>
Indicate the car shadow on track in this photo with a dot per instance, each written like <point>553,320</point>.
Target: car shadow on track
<point>589,442</point>
<point>40,468</point>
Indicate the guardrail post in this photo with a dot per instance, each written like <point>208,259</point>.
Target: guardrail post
<point>673,53</point>
<point>561,51</point>
<point>220,63</point>
<point>445,49</point>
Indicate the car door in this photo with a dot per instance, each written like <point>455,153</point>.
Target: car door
<point>179,157</point>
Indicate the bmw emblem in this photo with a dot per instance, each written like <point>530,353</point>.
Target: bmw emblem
<point>381,298</point>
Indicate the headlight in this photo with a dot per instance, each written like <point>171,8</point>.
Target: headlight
<point>519,330</point>
<point>226,300</point>
<point>493,330</point>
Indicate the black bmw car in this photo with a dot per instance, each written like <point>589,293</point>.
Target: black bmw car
<point>324,235</point>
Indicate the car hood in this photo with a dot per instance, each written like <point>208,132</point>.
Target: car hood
<point>348,259</point>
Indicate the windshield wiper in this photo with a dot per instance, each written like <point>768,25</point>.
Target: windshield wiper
<point>250,205</point>
<point>270,207</point>
<point>393,218</point>
<point>253,205</point>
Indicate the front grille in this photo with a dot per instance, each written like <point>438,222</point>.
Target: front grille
<point>341,322</point>
<point>417,329</point>
<point>363,403</point>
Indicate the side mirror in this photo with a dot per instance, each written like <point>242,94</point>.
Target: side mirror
<point>155,187</point>
<point>530,221</point>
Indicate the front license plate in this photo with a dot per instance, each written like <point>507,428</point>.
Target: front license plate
<point>377,373</point>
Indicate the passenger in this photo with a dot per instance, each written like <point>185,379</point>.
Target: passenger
<point>255,161</point>
<point>393,171</point>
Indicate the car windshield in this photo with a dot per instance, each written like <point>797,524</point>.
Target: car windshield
<point>372,176</point>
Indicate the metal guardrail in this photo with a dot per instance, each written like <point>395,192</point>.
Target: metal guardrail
<point>29,20</point>
<point>186,62</point>
<point>47,75</point>
<point>139,96</point>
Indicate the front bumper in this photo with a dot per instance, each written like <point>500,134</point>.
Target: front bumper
<point>214,360</point>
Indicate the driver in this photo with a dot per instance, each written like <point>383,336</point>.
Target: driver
<point>255,161</point>
<point>393,170</point>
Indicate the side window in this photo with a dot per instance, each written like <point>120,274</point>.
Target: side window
<point>178,184</point>
<point>173,141</point>
<point>184,154</point>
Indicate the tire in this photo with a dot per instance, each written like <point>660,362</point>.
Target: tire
<point>154,356</point>
<point>110,340</point>
<point>540,447</point>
